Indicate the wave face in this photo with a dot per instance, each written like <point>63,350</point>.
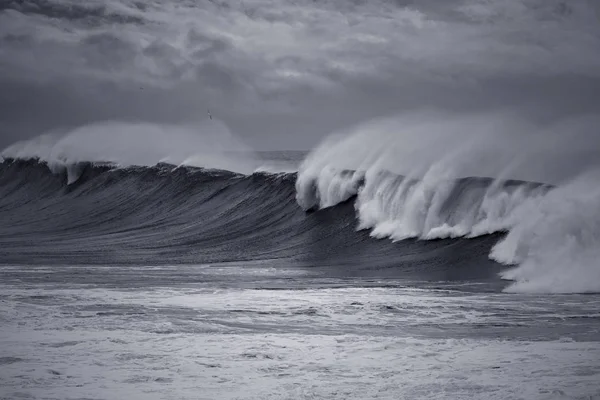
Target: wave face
<point>166,215</point>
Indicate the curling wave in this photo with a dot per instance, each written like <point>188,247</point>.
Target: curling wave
<point>59,205</point>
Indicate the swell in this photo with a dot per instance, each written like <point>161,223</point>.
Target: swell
<point>102,214</point>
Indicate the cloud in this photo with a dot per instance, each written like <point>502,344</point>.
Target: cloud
<point>286,72</point>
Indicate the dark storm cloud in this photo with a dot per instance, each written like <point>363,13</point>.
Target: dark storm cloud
<point>282,74</point>
<point>94,14</point>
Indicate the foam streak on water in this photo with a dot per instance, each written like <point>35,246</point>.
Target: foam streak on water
<point>276,334</point>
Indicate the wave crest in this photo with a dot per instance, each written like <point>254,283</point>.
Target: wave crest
<point>400,207</point>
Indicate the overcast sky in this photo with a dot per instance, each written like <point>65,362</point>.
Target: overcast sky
<point>283,73</point>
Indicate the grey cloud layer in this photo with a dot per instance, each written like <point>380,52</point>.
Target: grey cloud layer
<point>283,73</point>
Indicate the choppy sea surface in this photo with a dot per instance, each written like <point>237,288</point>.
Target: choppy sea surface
<point>244,331</point>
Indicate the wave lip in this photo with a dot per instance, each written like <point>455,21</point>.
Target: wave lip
<point>401,207</point>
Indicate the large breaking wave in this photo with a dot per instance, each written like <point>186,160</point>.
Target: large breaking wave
<point>552,231</point>
<point>445,220</point>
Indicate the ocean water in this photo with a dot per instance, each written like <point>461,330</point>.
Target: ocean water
<point>296,281</point>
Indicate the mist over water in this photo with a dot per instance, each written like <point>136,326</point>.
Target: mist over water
<point>437,144</point>
<point>208,144</point>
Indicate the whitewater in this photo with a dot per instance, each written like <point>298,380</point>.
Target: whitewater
<point>456,181</point>
<point>408,257</point>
